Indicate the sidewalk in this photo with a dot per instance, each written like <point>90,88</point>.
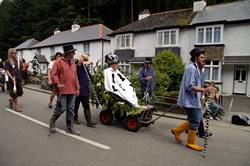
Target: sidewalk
<point>235,104</point>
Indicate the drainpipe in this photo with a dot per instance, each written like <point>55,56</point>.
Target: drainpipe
<point>102,52</point>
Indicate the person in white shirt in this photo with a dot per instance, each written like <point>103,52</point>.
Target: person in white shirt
<point>52,86</point>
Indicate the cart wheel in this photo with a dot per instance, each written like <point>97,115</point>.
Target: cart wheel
<point>106,117</point>
<point>144,120</point>
<point>133,123</point>
<point>120,116</point>
<point>145,124</point>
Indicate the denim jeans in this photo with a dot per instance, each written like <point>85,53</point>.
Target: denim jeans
<point>214,108</point>
<point>194,117</point>
<point>68,104</point>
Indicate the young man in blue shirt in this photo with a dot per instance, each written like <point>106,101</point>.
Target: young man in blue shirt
<point>192,87</point>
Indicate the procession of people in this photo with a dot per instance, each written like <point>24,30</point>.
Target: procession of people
<point>69,78</point>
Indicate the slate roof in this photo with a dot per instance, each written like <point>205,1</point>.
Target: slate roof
<point>229,12</point>
<point>27,44</point>
<point>176,18</point>
<point>41,58</point>
<point>87,33</point>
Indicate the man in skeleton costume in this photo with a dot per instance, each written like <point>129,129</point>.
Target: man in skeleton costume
<point>116,82</point>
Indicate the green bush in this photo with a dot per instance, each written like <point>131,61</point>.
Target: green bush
<point>169,70</point>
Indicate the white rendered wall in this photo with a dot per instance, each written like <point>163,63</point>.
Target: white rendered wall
<point>236,39</point>
<point>186,42</point>
<point>144,44</point>
<point>248,82</point>
<point>227,77</point>
<point>28,55</point>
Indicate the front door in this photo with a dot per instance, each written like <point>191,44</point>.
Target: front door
<point>240,79</point>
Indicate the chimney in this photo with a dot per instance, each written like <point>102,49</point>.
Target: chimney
<point>144,14</point>
<point>199,5</point>
<point>75,27</point>
<point>56,31</point>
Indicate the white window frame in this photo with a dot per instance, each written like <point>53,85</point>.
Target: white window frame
<point>86,47</point>
<point>204,34</point>
<point>169,38</point>
<point>52,51</point>
<point>123,66</point>
<point>211,66</point>
<point>119,41</point>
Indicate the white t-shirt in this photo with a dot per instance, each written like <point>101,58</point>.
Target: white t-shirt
<point>51,65</point>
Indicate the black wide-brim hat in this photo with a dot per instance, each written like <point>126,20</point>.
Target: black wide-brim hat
<point>68,48</point>
<point>148,60</point>
<point>196,51</point>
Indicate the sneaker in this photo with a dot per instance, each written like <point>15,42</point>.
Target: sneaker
<point>70,131</point>
<point>50,105</point>
<point>91,124</point>
<point>77,122</point>
<point>216,118</point>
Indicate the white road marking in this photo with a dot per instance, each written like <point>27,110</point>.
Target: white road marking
<point>60,131</point>
<point>231,104</point>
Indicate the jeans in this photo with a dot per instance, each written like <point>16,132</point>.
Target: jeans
<point>67,104</point>
<point>194,117</point>
<point>214,108</point>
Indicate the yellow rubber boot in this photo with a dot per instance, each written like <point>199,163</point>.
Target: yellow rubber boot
<point>179,129</point>
<point>191,141</point>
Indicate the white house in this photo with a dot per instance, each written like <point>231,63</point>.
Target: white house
<point>92,40</point>
<point>24,51</point>
<point>222,30</point>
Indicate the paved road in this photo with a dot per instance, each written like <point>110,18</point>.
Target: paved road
<point>25,143</point>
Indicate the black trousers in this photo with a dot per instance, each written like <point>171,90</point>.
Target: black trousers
<point>86,107</point>
<point>201,130</point>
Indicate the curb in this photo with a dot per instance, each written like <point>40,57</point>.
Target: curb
<point>36,89</point>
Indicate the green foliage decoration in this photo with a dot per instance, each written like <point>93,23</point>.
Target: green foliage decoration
<point>169,70</point>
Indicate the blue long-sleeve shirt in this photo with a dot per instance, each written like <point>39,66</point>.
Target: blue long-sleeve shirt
<point>192,77</point>
<point>143,73</point>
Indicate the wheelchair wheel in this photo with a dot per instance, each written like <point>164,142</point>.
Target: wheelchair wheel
<point>106,117</point>
<point>133,123</point>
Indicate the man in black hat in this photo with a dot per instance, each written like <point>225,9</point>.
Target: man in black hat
<point>147,78</point>
<point>192,87</point>
<point>64,76</point>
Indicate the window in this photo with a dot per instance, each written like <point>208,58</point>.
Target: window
<point>124,41</point>
<point>209,34</point>
<point>86,48</point>
<point>52,51</point>
<point>212,71</point>
<point>38,50</point>
<point>124,66</point>
<point>167,37</point>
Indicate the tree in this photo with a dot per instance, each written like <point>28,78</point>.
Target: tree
<point>169,70</point>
